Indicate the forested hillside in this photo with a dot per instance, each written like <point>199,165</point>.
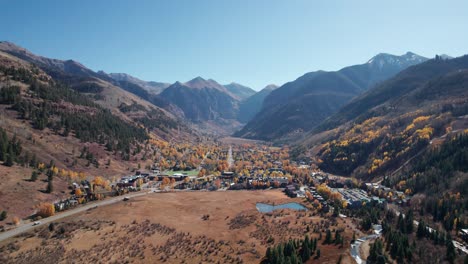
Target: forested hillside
<point>381,138</point>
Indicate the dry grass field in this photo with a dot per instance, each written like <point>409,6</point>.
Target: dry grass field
<point>183,227</point>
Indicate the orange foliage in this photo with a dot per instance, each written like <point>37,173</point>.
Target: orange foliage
<point>45,209</point>
<point>16,220</point>
<point>78,192</point>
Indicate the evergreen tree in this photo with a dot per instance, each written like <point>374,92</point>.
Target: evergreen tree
<point>34,176</point>
<point>305,254</point>
<point>50,178</point>
<point>337,237</point>
<point>3,215</point>
<point>409,219</point>
<point>328,237</point>
<point>9,159</point>
<point>421,232</point>
<point>451,253</point>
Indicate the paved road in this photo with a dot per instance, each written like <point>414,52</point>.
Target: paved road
<point>29,226</point>
<point>357,244</point>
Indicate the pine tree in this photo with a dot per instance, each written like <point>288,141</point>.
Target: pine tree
<point>337,237</point>
<point>50,187</point>
<point>269,253</point>
<point>9,159</point>
<point>328,237</point>
<point>3,215</point>
<point>34,176</point>
<point>50,177</point>
<point>421,232</point>
<point>409,221</point>
<point>451,253</point>
<point>305,254</point>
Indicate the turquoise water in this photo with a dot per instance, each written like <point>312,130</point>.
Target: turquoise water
<point>267,208</point>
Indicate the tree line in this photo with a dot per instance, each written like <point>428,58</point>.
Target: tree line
<point>294,251</point>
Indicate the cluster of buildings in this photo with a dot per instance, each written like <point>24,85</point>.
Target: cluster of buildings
<point>294,190</point>
<point>388,194</point>
<point>355,198</point>
<point>133,181</point>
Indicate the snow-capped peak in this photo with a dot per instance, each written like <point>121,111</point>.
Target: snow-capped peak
<point>385,59</point>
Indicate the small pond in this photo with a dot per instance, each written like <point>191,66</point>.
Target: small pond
<point>268,208</point>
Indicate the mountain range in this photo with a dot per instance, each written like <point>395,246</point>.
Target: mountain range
<point>394,122</point>
<point>131,104</point>
<point>302,104</point>
<point>202,100</point>
<point>151,86</point>
<point>249,107</point>
<point>197,101</point>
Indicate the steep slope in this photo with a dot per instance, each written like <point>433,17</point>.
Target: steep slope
<point>249,107</point>
<point>240,91</point>
<point>392,123</point>
<point>203,101</point>
<point>403,83</point>
<point>124,99</point>
<point>51,123</point>
<point>51,66</point>
<point>302,104</point>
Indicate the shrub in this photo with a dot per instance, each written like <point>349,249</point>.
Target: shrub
<point>16,220</point>
<point>45,209</point>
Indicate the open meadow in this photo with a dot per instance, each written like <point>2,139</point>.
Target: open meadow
<point>176,227</point>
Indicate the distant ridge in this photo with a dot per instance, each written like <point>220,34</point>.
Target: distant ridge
<point>302,104</point>
<point>252,105</point>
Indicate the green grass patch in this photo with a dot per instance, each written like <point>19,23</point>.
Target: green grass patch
<point>188,173</point>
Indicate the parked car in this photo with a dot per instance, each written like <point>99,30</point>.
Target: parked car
<point>36,223</point>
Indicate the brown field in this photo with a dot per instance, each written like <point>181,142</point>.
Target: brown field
<point>180,227</point>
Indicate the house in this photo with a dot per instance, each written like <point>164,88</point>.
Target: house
<point>227,175</point>
<point>290,191</point>
<point>464,234</point>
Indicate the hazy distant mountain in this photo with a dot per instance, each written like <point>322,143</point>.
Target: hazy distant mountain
<point>153,87</point>
<point>304,103</point>
<point>446,57</point>
<point>239,90</point>
<point>252,105</point>
<point>202,100</point>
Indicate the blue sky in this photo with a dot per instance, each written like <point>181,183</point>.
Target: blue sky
<point>252,42</point>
